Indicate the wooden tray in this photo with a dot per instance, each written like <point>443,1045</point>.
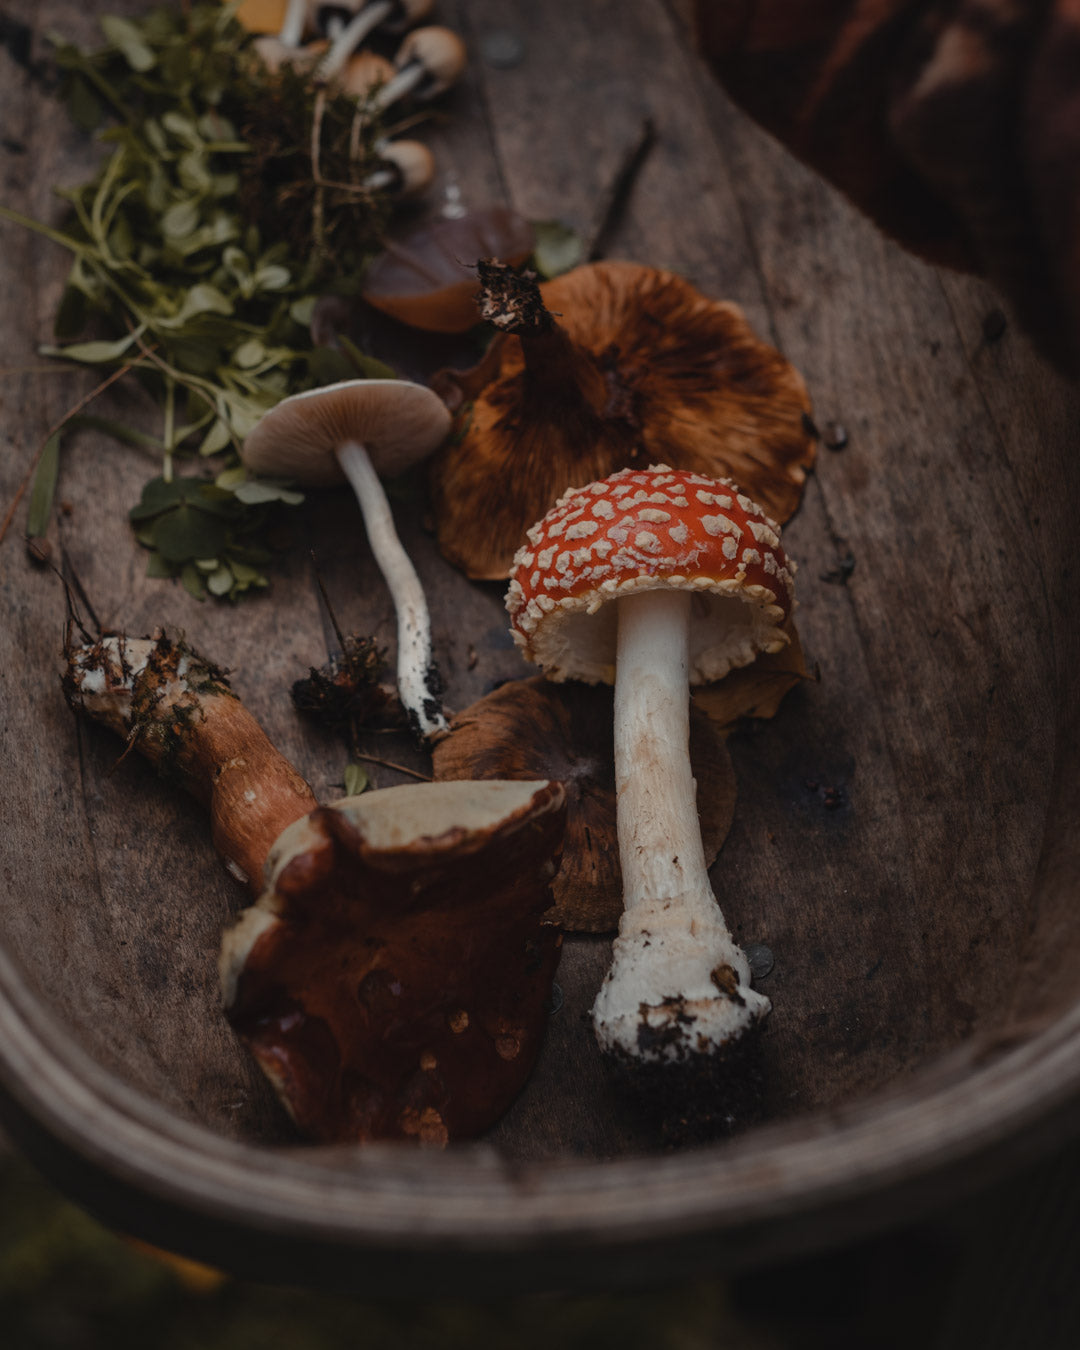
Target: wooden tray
<point>926,930</point>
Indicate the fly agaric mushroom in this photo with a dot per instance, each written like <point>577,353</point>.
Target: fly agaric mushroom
<point>639,369</point>
<point>178,711</point>
<point>427,279</point>
<point>428,62</point>
<point>357,430</point>
<point>393,980</point>
<point>701,585</point>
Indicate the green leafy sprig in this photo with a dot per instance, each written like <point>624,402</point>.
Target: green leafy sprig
<point>198,250</point>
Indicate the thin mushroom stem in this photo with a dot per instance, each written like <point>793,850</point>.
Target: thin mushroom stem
<point>418,680</point>
<point>350,37</point>
<point>292,26</point>
<point>679,983</point>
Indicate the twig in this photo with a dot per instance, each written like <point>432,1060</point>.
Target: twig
<point>28,478</point>
<point>389,764</point>
<point>613,202</point>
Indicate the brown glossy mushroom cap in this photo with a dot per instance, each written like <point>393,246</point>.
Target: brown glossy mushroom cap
<point>428,280</point>
<point>535,729</point>
<point>614,365</point>
<point>441,53</point>
<point>397,422</point>
<point>393,980</point>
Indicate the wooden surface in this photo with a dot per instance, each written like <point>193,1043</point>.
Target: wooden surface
<point>888,843</point>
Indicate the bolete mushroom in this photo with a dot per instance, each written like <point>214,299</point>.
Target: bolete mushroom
<point>357,430</point>
<point>639,368</point>
<point>655,579</point>
<point>394,978</point>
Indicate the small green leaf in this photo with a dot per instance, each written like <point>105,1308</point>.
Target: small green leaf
<point>215,440</point>
<point>186,533</point>
<point>220,582</point>
<point>370,367</point>
<point>180,221</point>
<point>558,248</point>
<point>356,779</point>
<point>126,37</point>
<point>44,489</point>
<point>272,278</point>
<point>253,492</point>
<point>192,582</point>
<point>301,310</point>
<point>158,568</point>
<point>249,353</point>
<point>93,353</point>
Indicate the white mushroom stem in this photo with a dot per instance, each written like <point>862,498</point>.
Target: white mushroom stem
<point>417,680</point>
<point>350,37</point>
<point>679,983</point>
<point>292,26</point>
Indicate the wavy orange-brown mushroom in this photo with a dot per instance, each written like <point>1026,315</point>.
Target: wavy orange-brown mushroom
<point>614,365</point>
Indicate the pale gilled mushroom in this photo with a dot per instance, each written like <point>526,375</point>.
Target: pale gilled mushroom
<point>428,62</point>
<point>393,980</point>
<point>702,585</point>
<point>392,16</point>
<point>357,430</point>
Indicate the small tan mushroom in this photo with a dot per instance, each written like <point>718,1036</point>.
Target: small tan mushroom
<point>428,62</point>
<point>404,168</point>
<point>349,33</point>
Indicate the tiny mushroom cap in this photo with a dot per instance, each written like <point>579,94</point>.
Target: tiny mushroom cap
<point>359,429</point>
<point>429,61</point>
<point>393,980</point>
<point>364,72</point>
<point>405,167</point>
<point>702,585</point>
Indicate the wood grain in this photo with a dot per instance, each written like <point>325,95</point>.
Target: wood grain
<point>904,842</point>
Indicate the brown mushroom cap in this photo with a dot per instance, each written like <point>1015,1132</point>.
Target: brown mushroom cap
<point>439,51</point>
<point>393,980</point>
<point>398,423</point>
<point>535,729</point>
<point>615,365</point>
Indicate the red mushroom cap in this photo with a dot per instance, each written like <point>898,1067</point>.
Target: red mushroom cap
<point>647,529</point>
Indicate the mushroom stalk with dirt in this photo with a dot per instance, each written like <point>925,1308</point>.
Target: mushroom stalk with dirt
<point>654,580</point>
<point>357,430</point>
<point>177,709</point>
